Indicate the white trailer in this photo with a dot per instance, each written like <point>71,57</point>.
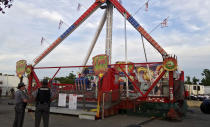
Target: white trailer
<point>196,92</point>
<point>9,81</point>
<point>195,89</point>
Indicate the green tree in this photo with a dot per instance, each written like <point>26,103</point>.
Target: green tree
<point>195,80</point>
<point>5,4</point>
<point>206,77</point>
<point>70,79</point>
<point>188,80</point>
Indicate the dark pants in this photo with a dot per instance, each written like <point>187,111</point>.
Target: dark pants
<point>19,116</point>
<point>42,111</point>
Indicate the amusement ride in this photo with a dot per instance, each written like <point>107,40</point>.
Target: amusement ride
<point>105,89</point>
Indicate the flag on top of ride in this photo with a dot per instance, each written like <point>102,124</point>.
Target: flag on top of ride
<point>164,23</point>
<point>60,24</point>
<point>79,7</point>
<point>42,40</point>
<point>147,6</point>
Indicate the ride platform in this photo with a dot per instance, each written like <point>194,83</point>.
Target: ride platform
<point>83,114</point>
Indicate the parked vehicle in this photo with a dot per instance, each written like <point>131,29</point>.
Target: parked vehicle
<point>196,92</point>
<point>205,106</point>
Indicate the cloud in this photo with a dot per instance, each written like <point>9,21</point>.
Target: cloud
<point>34,11</point>
<point>27,21</point>
<point>7,62</point>
<point>192,59</point>
<point>195,9</point>
<point>7,57</point>
<point>193,27</point>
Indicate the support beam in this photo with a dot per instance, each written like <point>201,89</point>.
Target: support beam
<point>30,81</point>
<point>101,25</point>
<point>134,84</point>
<point>155,83</point>
<point>109,23</point>
<point>38,84</point>
<point>53,77</point>
<point>171,86</point>
<point>76,24</point>
<point>139,28</point>
<point>126,55</point>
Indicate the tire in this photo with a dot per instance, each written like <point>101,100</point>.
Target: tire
<point>205,107</point>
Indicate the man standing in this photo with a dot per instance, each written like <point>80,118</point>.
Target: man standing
<point>12,91</point>
<point>43,96</point>
<point>21,100</point>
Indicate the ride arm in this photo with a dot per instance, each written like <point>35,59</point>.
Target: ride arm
<point>76,24</point>
<point>138,27</point>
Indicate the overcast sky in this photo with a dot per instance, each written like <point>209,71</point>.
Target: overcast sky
<point>187,34</point>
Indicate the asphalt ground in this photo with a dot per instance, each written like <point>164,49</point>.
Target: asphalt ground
<point>194,118</point>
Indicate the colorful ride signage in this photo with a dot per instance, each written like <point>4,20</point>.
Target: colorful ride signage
<point>122,64</point>
<point>100,64</point>
<point>28,70</point>
<point>170,64</point>
<point>20,68</point>
<point>102,1</point>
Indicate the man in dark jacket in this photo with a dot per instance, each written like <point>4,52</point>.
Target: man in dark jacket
<point>42,104</point>
<point>21,100</point>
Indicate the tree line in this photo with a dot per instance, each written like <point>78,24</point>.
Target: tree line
<point>70,79</point>
<point>204,81</point>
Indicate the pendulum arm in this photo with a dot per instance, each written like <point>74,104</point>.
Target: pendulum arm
<point>95,39</point>
<point>75,25</point>
<point>138,27</point>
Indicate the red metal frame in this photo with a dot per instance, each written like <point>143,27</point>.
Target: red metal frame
<point>151,87</point>
<point>134,84</point>
<point>155,83</point>
<point>53,77</point>
<point>144,96</point>
<point>92,65</point>
<point>128,103</point>
<point>30,79</point>
<point>33,74</point>
<point>171,86</point>
<point>36,79</point>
